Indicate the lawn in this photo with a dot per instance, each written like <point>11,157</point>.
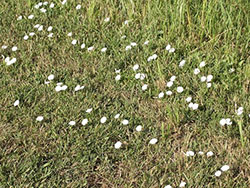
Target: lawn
<point>124,93</point>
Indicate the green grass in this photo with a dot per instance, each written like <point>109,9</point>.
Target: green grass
<point>52,153</point>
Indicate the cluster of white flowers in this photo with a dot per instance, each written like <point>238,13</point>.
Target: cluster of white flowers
<point>224,168</point>
<point>60,87</point>
<point>43,5</point>
<point>152,57</point>
<point>129,47</point>
<point>170,49</point>
<point>226,121</point>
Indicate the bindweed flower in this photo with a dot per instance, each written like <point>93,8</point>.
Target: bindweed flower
<point>52,5</point>
<point>16,103</point>
<point>189,153</point>
<point>217,173</point>
<point>135,67</point>
<point>72,123</point>
<point>182,184</point>
<point>39,118</point>
<point>239,111</point>
<point>30,16</point>
<point>189,99</point>
<point>51,77</point>
<point>225,168</point>
<point>169,93</point>
<point>118,77</point>
<point>223,122</point>
<point>123,36</point>
<point>138,128</point>
<point>202,64</point>
<point>168,186</point>
<point>45,3</point>
<point>137,76</point>
<point>195,106</point>
<point>228,121</point>
<point>180,89</point>
<point>161,95</point>
<point>142,76</point>
<point>40,28</point>
<point>64,2</point>
<point>210,153</point>
<point>69,34</point>
<point>126,22</point>
<point>50,35</point>
<point>107,19</point>
<point>168,47</point>
<point>103,49</point>
<point>231,70</point>
<point>31,34</point>
<point>78,7</point>
<point>46,82</point>
<point>128,47</point>
<point>90,48</point>
<point>146,42</point>
<point>196,71</point>
<point>125,122</point>
<point>209,85</point>
<point>170,83</point>
<point>43,10</point>
<point>78,87</point>
<point>144,87</point>
<point>83,46</point>
<point>14,48</point>
<point>117,71</point>
<point>37,26</point>
<point>117,116</point>
<point>4,47</point>
<point>26,37</point>
<point>19,18</point>
<point>203,78</point>
<point>172,50</point>
<point>74,42</point>
<point>84,122</point>
<point>89,110</point>
<point>50,28</point>
<point>172,78</point>
<point>201,153</point>
<point>153,57</point>
<point>190,105</point>
<point>10,62</point>
<point>133,44</point>
<point>118,145</point>
<point>153,141</point>
<point>103,120</point>
<point>209,78</point>
<point>182,63</point>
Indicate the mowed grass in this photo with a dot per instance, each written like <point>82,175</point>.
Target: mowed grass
<point>52,153</point>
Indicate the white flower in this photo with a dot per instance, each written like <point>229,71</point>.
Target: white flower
<point>52,5</point>
<point>190,105</point>
<point>200,152</point>
<point>43,10</point>
<point>30,16</point>
<point>169,93</point>
<point>133,44</point>
<point>117,71</point>
<point>172,78</point>
<point>4,47</point>
<point>13,60</point>
<point>180,89</point>
<point>37,26</point>
<point>118,77</point>
<point>154,56</point>
<point>225,168</point>
<point>50,35</point>
<point>209,78</point>
<point>16,103</point>
<point>196,71</point>
<point>36,6</point>
<point>146,42</point>
<point>40,28</point>
<point>72,123</point>
<point>195,106</point>
<point>126,22</point>
<point>7,59</point>
<point>123,36</point>
<point>46,82</point>
<point>69,34</point>
<point>31,34</point>
<point>39,118</point>
<point>103,119</point>
<point>78,87</point>
<point>19,18</point>
<point>59,84</point>
<point>202,64</point>
<point>210,153</point>
<point>51,77</point>
<point>203,78</point>
<point>50,28</point>
<point>161,95</point>
<point>137,75</point>
<point>103,49</point>
<point>85,121</point>
<point>40,4</point>
<point>170,83</point>
<point>63,2</point>
<point>217,173</point>
<point>171,50</point>
<point>14,48</point>
<point>107,19</point>
<point>135,67</point>
<point>142,76</point>
<point>90,48</point>
<point>117,116</point>
<point>64,87</point>
<point>188,99</point>
<point>125,122</point>
<point>239,111</point>
<point>138,128</point>
<point>228,121</point>
<point>189,153</point>
<point>182,63</point>
<point>168,186</point>
<point>74,42</point>
<point>231,70</point>
<point>89,110</point>
<point>182,184</point>
<point>78,7</point>
<point>45,3</point>
<point>153,141</point>
<point>128,47</point>
<point>83,46</point>
<point>168,47</point>
<point>26,37</point>
<point>144,87</point>
<point>118,145</point>
<point>209,85</point>
<point>58,88</point>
